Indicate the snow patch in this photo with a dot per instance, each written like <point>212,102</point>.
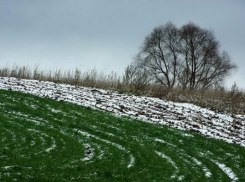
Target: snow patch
<point>120,147</point>
<point>162,155</point>
<point>227,171</point>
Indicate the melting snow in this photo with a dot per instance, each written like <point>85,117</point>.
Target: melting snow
<point>120,147</point>
<point>172,163</point>
<point>227,171</point>
<point>208,174</point>
<point>178,115</point>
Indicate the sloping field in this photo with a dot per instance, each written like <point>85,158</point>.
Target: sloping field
<point>177,115</point>
<point>46,140</point>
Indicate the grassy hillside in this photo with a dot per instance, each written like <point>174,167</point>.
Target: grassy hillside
<point>45,140</point>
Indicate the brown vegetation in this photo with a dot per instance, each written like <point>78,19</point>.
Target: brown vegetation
<point>216,97</point>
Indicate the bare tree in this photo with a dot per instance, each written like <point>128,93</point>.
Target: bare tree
<point>235,97</point>
<point>202,65</point>
<point>159,55</point>
<point>188,56</point>
<point>136,78</point>
<point>77,76</point>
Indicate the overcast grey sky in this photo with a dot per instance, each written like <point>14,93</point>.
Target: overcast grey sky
<point>107,34</point>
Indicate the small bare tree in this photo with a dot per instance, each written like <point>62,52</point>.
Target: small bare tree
<point>235,97</point>
<point>77,76</point>
<point>136,78</point>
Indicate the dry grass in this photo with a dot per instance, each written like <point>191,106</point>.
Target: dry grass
<point>91,78</point>
<point>217,98</point>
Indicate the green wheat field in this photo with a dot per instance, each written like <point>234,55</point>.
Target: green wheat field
<point>46,140</point>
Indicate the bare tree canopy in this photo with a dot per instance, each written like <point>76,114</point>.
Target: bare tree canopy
<point>188,56</point>
<point>136,78</point>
